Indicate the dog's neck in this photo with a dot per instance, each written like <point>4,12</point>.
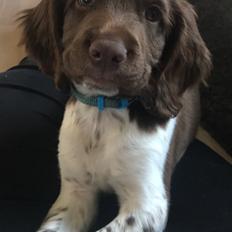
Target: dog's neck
<point>101,101</point>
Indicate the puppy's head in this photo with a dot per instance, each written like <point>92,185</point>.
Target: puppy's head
<point>147,48</point>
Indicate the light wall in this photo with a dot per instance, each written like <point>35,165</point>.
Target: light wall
<point>10,52</point>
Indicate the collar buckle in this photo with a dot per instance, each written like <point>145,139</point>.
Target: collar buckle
<point>101,103</point>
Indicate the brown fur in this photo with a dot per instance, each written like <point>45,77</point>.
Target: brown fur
<point>164,58</point>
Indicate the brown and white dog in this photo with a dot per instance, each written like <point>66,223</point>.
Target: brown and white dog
<point>146,50</point>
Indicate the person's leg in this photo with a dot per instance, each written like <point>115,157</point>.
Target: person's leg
<point>31,112</point>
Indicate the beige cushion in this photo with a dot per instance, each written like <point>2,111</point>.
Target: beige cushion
<point>10,53</point>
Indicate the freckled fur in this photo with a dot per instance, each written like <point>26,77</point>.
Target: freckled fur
<point>108,166</point>
<point>130,221</point>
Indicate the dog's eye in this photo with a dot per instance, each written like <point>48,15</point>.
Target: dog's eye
<point>85,2</point>
<point>153,13</point>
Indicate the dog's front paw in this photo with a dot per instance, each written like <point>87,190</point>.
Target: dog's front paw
<point>144,222</point>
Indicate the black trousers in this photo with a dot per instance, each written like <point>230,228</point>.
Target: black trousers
<point>31,112</point>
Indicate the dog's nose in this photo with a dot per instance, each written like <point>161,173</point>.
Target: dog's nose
<point>107,53</point>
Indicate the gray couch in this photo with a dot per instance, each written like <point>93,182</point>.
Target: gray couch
<point>215,22</point>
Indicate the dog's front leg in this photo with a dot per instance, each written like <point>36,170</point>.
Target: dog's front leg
<point>143,203</point>
<point>73,210</point>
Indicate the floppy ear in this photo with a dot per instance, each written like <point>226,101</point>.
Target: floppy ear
<point>42,32</point>
<point>185,60</point>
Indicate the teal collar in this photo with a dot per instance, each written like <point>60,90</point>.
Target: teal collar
<point>102,102</point>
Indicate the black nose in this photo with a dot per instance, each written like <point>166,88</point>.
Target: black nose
<point>107,52</point>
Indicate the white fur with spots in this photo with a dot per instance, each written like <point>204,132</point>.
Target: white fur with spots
<point>106,151</point>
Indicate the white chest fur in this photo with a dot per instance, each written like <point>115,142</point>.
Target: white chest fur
<point>108,147</point>
<point>106,151</point>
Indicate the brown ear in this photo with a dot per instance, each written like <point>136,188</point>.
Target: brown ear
<point>42,32</point>
<point>185,60</point>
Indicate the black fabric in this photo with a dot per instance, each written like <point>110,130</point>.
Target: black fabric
<point>31,111</point>
<point>201,193</point>
<point>215,24</point>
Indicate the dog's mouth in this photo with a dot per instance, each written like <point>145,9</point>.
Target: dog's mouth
<point>96,86</point>
<point>111,85</point>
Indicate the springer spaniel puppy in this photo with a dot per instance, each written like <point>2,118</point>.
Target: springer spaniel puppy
<point>134,69</point>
